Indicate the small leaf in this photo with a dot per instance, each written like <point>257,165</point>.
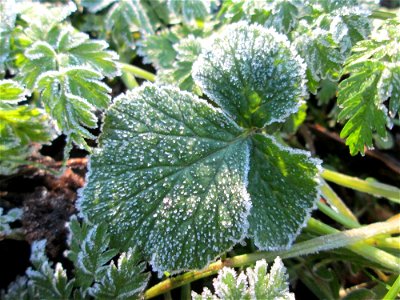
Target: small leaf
<point>45,282</point>
<point>91,257</point>
<point>190,9</point>
<point>253,73</point>
<point>17,290</point>
<point>71,97</point>
<point>283,186</point>
<point>360,100</point>
<point>176,171</point>
<point>12,215</point>
<point>254,284</point>
<point>11,92</point>
<point>95,6</point>
<point>124,281</point>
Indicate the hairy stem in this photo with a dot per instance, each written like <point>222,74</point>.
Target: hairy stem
<point>374,188</point>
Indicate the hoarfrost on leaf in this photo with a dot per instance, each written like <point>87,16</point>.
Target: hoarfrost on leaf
<point>190,9</point>
<point>253,73</point>
<point>283,186</point>
<point>256,284</point>
<point>125,280</point>
<point>374,70</point>
<point>176,173</point>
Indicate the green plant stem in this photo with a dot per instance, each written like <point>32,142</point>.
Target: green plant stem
<point>185,292</point>
<point>129,80</point>
<point>137,72</point>
<point>334,200</point>
<point>382,15</point>
<point>393,291</point>
<point>341,219</point>
<point>374,188</point>
<point>387,242</point>
<point>335,239</point>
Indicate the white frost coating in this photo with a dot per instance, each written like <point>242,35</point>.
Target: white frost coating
<point>253,73</point>
<point>256,283</point>
<point>178,179</point>
<point>306,213</point>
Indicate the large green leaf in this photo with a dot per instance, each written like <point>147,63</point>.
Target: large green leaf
<point>253,73</point>
<point>283,186</point>
<point>190,9</point>
<point>170,176</point>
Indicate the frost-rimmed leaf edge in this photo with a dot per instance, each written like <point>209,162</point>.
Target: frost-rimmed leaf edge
<point>317,179</point>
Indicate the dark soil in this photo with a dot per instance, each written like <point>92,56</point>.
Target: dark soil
<point>48,201</point>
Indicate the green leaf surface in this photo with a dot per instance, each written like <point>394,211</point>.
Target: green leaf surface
<point>11,92</point>
<point>190,9</point>
<point>177,172</point>
<point>256,283</point>
<point>71,97</point>
<point>20,126</point>
<point>127,280</point>
<point>92,255</point>
<point>283,186</point>
<point>252,73</point>
<point>361,105</point>
<point>45,282</point>
<point>7,21</point>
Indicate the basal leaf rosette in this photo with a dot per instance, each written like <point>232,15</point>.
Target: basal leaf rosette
<point>171,171</point>
<point>170,176</point>
<point>253,74</point>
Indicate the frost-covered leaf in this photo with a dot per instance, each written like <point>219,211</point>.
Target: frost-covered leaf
<point>158,49</point>
<point>374,70</point>
<point>6,219</point>
<point>361,101</point>
<point>324,39</point>
<point>42,17</point>
<point>20,126</point>
<point>272,285</point>
<point>255,284</point>
<point>176,170</point>
<point>91,255</point>
<point>94,6</point>
<point>190,9</point>
<point>7,21</point>
<point>71,96</point>
<point>322,55</point>
<point>11,92</point>
<point>284,15</point>
<point>283,186</point>
<point>123,19</point>
<point>253,73</point>
<point>45,282</point>
<point>127,280</point>
<point>17,290</point>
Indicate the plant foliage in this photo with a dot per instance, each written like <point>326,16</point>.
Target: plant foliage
<point>90,254</point>
<point>188,163</point>
<point>256,283</point>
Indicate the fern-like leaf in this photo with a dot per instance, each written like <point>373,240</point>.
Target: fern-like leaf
<point>255,284</point>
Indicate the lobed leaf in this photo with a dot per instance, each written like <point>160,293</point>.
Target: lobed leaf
<point>256,283</point>
<point>283,186</point>
<point>44,282</point>
<point>252,73</point>
<point>177,171</point>
<point>190,9</point>
<point>127,280</point>
<point>71,96</point>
